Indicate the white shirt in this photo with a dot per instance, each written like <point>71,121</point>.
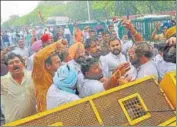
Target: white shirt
<point>67,31</point>
<point>90,87</point>
<point>86,35</point>
<point>163,66</point>
<point>110,62</point>
<point>147,69</point>
<point>56,97</point>
<point>19,99</point>
<point>22,52</point>
<point>126,45</point>
<point>74,65</point>
<point>30,62</point>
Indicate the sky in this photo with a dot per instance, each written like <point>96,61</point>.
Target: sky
<point>20,8</point>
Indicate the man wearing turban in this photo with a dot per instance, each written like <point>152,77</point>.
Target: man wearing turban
<point>161,36</point>
<point>36,46</point>
<point>63,88</point>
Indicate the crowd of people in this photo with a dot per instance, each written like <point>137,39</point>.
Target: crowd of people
<point>48,69</point>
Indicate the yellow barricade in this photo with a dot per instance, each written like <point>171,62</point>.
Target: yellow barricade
<point>168,85</point>
<point>138,103</point>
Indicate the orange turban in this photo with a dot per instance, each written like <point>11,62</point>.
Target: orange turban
<point>73,49</point>
<point>170,32</point>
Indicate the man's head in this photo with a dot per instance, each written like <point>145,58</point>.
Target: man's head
<point>52,63</point>
<point>15,64</point>
<point>114,34</point>
<point>65,79</point>
<point>21,43</point>
<point>106,36</point>
<point>91,69</point>
<point>46,40</point>
<point>86,29</point>
<point>80,55</point>
<point>140,53</point>
<point>111,28</point>
<point>169,54</point>
<point>91,33</point>
<point>165,27</point>
<point>100,38</point>
<point>115,46</point>
<point>93,48</point>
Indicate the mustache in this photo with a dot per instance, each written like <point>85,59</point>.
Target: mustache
<point>16,67</point>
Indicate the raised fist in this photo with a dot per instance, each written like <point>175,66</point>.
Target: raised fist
<point>127,24</point>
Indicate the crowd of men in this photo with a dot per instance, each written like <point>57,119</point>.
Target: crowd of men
<point>54,69</point>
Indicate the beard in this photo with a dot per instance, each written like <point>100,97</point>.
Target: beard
<point>80,59</point>
<point>135,62</point>
<point>116,51</point>
<point>95,77</point>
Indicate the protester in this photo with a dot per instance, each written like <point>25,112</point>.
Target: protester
<point>161,36</point>
<point>85,33</point>
<point>112,60</point>
<point>21,49</point>
<point>67,34</point>
<point>73,48</point>
<point>140,57</point>
<point>79,56</point>
<point>93,49</point>
<point>92,34</point>
<point>78,36</point>
<point>45,64</point>
<point>99,29</point>
<point>105,45</point>
<point>164,66</point>
<point>5,39</point>
<point>63,89</point>
<point>127,44</point>
<point>134,34</point>
<point>17,90</point>
<point>94,81</point>
<point>35,48</point>
<point>46,40</point>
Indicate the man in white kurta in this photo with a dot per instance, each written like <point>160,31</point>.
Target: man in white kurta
<point>19,99</point>
<point>141,58</point>
<point>21,49</point>
<point>114,59</point>
<point>162,66</point>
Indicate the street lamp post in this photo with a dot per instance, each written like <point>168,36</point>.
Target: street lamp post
<point>88,9</point>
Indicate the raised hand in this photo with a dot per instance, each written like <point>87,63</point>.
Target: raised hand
<point>157,25</point>
<point>127,24</point>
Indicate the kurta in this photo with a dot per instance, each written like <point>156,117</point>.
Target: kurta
<point>41,77</point>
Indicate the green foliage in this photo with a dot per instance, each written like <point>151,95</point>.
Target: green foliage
<point>98,10</point>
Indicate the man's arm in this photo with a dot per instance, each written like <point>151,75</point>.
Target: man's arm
<point>114,80</point>
<point>40,57</point>
<point>153,36</point>
<point>137,37</point>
